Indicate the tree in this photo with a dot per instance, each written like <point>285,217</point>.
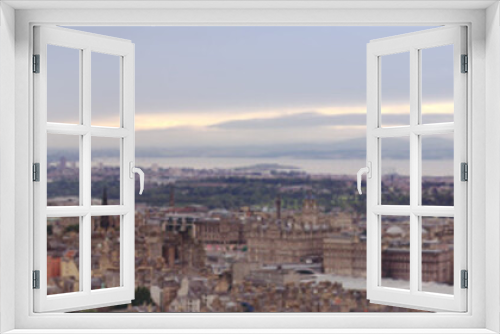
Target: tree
<point>72,228</point>
<point>142,296</point>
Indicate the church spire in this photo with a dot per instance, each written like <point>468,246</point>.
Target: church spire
<point>105,219</point>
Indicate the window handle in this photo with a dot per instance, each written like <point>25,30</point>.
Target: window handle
<point>365,170</point>
<point>139,171</point>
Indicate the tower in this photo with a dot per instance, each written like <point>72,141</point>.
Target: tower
<point>310,210</point>
<point>172,195</point>
<point>105,219</point>
<point>62,163</point>
<point>278,207</point>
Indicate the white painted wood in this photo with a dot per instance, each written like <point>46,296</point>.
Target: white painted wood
<point>418,210</point>
<point>247,4</point>
<point>433,129</point>
<point>493,161</point>
<point>80,130</point>
<point>258,331</point>
<point>7,166</point>
<point>413,43</point>
<point>471,322</point>
<point>391,210</point>
<point>418,129</point>
<point>86,43</point>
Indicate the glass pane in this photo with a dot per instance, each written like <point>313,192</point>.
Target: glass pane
<point>395,89</point>
<point>63,85</point>
<point>437,170</point>
<point>395,167</point>
<point>437,254</point>
<point>437,84</point>
<point>395,247</point>
<point>63,170</point>
<point>105,252</point>
<point>105,171</point>
<point>105,90</point>
<point>63,256</point>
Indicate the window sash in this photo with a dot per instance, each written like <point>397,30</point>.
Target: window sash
<point>413,43</point>
<point>87,43</point>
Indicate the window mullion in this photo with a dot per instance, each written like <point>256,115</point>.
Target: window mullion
<point>414,169</point>
<point>86,263</point>
<point>86,174</point>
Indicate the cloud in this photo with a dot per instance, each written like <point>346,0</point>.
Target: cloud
<point>315,119</point>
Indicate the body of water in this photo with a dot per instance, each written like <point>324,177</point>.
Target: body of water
<point>336,167</point>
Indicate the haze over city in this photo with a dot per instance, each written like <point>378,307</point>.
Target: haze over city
<point>253,92</point>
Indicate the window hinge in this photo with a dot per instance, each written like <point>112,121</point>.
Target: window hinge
<point>465,64</point>
<point>36,279</point>
<point>464,171</point>
<point>36,63</point>
<point>36,172</point>
<point>464,279</point>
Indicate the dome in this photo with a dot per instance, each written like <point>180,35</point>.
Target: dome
<point>395,230</point>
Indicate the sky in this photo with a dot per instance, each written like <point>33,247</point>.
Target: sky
<point>246,87</point>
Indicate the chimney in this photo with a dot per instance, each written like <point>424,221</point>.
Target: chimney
<point>172,195</point>
<point>278,207</point>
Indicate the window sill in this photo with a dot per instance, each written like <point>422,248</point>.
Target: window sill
<point>251,331</point>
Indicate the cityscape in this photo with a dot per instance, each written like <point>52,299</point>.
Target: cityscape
<point>250,150</point>
<point>257,238</point>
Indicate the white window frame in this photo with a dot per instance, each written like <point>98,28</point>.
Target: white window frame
<point>483,245</point>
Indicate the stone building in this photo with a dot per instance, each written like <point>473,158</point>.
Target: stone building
<point>437,265</point>
<point>105,253</point>
<point>225,231</point>
<point>291,239</point>
<point>437,250</point>
<point>345,255</point>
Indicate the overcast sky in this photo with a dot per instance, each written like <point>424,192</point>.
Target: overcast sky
<point>249,85</point>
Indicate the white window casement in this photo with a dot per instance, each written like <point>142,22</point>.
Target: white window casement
<point>86,44</point>
<point>414,45</point>
<point>471,26</point>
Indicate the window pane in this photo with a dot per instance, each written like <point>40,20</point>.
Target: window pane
<point>106,90</point>
<point>63,170</point>
<point>395,248</point>
<point>105,171</point>
<point>437,170</point>
<point>63,256</point>
<point>105,252</point>
<point>437,84</point>
<point>395,89</point>
<point>437,254</point>
<point>395,167</point>
<point>63,85</point>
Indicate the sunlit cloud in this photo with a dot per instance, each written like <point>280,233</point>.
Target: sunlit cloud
<point>347,127</point>
<point>156,121</point>
<point>426,108</point>
<point>437,108</point>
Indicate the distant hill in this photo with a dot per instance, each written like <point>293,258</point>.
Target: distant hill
<point>393,148</point>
